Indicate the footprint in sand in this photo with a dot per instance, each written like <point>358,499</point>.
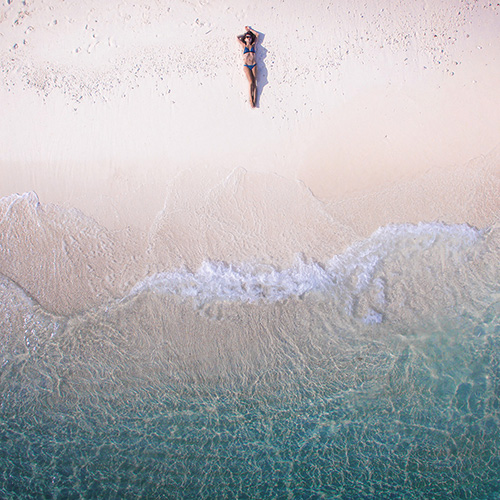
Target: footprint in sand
<point>92,47</point>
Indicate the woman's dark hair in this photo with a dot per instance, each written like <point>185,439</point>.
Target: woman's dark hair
<point>252,37</point>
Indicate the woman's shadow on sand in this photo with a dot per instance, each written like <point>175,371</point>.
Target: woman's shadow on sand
<point>261,68</point>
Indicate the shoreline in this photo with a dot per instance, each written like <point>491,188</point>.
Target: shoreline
<point>131,124</point>
<point>245,219</point>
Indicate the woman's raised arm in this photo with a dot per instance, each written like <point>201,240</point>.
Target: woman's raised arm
<point>248,28</point>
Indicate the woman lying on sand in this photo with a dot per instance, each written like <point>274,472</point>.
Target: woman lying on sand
<point>248,42</point>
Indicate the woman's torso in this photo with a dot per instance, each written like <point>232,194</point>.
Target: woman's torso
<point>249,54</point>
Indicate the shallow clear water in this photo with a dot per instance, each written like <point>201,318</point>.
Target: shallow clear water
<point>378,378</point>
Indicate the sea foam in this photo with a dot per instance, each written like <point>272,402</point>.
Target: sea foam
<point>364,268</point>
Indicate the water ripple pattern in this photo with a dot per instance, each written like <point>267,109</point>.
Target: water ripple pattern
<point>227,383</point>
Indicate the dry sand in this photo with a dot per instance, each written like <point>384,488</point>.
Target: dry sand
<point>137,115</point>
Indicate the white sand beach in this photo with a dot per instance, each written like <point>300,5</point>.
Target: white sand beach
<point>137,115</point>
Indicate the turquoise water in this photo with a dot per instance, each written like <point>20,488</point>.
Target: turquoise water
<point>386,390</point>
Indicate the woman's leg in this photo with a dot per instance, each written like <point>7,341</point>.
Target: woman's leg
<point>254,93</point>
<point>252,84</point>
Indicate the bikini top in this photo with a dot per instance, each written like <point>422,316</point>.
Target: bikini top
<point>246,50</point>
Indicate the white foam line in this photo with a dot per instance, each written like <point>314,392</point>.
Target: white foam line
<point>358,265</point>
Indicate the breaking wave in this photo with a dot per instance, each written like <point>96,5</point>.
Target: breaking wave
<point>366,269</point>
